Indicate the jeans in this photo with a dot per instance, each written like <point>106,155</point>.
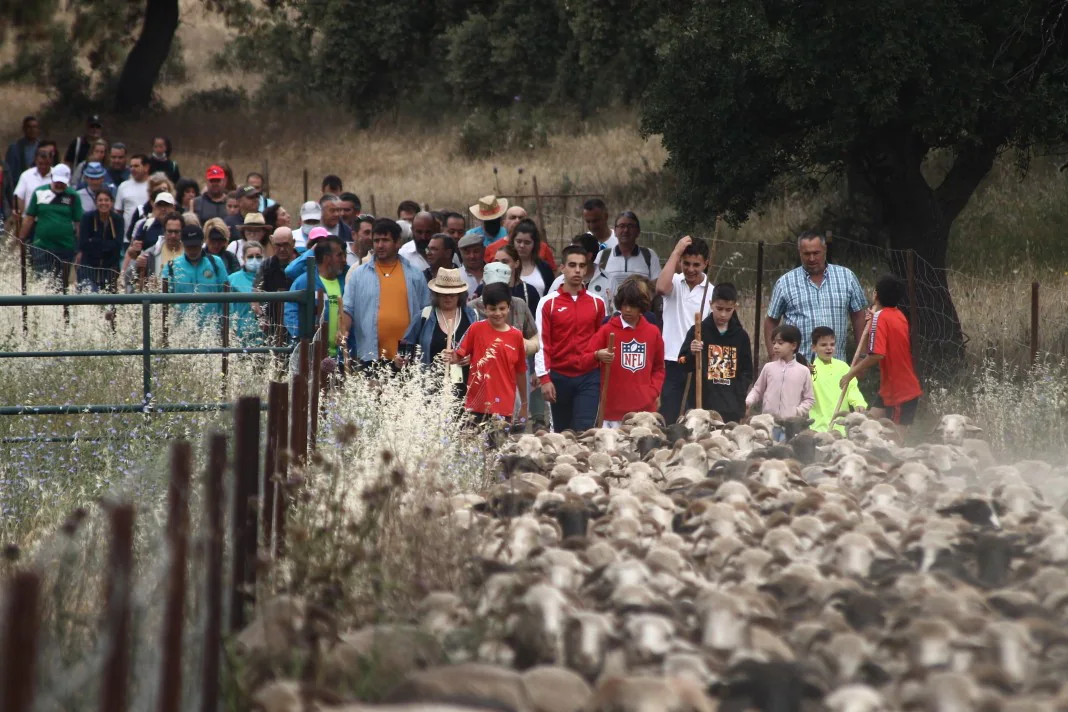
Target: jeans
<point>671,395</point>
<point>576,401</point>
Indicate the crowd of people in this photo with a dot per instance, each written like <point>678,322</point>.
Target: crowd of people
<point>565,341</point>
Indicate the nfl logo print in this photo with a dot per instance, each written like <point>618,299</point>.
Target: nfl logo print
<point>632,355</point>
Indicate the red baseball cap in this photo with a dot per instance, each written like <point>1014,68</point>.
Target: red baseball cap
<point>215,173</point>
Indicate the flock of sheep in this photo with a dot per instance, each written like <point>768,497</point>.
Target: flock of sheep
<point>699,567</point>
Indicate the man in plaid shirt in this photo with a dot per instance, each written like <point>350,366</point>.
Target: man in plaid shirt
<point>817,294</point>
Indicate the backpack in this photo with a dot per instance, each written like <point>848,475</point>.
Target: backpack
<point>606,255</point>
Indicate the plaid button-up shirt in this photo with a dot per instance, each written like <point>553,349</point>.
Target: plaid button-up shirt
<point>798,301</point>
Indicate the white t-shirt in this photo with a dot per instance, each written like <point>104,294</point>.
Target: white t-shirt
<point>611,242</point>
<point>130,196</point>
<point>408,252</point>
<point>679,309</point>
<point>472,282</point>
<point>534,279</point>
<point>29,181</point>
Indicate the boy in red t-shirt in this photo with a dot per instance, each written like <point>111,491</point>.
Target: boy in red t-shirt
<point>889,345</point>
<point>637,358</point>
<point>498,359</point>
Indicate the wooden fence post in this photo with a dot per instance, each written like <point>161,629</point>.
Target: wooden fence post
<point>758,321</point>
<point>117,595</point>
<point>170,685</point>
<point>1034,322</point>
<point>538,209</point>
<point>243,525</point>
<point>22,622</point>
<point>910,272</point>
<point>273,465</point>
<point>214,521</point>
<point>298,421</point>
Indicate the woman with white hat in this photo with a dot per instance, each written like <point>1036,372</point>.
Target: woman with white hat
<point>441,326</point>
<point>253,229</point>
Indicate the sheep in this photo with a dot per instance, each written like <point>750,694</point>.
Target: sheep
<point>954,428</point>
<point>644,694</point>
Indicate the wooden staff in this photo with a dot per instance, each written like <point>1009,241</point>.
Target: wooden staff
<point>856,357</point>
<point>604,381</point>
<point>685,395</point>
<point>697,359</point>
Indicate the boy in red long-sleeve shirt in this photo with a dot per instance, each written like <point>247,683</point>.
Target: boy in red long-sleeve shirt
<point>567,319</point>
<point>637,358</point>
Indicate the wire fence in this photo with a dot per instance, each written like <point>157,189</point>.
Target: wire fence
<point>1007,319</point>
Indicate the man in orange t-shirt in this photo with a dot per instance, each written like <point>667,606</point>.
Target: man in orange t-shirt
<point>382,297</point>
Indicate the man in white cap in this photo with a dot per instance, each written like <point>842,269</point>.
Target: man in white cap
<point>310,217</point>
<point>150,230</point>
<point>489,211</point>
<point>56,211</point>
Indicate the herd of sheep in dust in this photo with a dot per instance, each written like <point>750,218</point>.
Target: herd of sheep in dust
<point>700,566</point>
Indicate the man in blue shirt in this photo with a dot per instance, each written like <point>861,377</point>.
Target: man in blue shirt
<point>489,211</point>
<point>196,272</point>
<point>817,294</point>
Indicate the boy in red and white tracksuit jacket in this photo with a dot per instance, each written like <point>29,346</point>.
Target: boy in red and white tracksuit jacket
<point>567,319</point>
<point>636,358</point>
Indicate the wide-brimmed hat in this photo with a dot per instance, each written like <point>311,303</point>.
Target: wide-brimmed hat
<point>448,281</point>
<point>490,207</point>
<point>94,170</point>
<point>253,221</point>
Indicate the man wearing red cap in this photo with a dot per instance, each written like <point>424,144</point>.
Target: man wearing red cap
<point>212,203</point>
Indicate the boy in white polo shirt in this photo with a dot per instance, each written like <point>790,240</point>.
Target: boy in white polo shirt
<point>685,294</point>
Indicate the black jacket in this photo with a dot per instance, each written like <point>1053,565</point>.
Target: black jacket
<point>100,239</point>
<point>727,368</point>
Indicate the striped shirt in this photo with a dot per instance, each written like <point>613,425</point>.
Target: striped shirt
<point>796,300</point>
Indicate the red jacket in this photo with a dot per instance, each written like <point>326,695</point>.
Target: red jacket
<point>566,324</point>
<point>544,252</point>
<point>637,375</point>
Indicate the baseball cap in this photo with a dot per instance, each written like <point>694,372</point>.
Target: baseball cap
<point>317,233</point>
<point>94,122</point>
<point>310,211</point>
<point>496,273</point>
<point>215,173</point>
<point>164,197</point>
<point>94,170</point>
<point>192,235</point>
<point>61,174</point>
<point>469,241</point>
<point>248,191</point>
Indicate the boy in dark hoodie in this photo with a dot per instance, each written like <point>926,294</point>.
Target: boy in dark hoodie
<point>727,357</point>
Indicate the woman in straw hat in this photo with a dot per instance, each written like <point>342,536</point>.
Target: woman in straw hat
<point>441,326</point>
<point>254,229</point>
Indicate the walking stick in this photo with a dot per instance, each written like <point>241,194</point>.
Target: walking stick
<point>856,355</point>
<point>685,395</point>
<point>697,360</point>
<point>604,382</point>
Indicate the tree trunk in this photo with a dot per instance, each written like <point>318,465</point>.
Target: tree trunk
<point>916,219</point>
<point>143,64</point>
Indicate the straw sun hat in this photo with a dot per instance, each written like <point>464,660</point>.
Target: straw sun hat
<point>448,281</point>
<point>490,207</point>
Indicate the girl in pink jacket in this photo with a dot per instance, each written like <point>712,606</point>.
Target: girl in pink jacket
<point>784,387</point>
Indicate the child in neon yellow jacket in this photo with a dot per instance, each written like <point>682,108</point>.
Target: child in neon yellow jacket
<point>827,371</point>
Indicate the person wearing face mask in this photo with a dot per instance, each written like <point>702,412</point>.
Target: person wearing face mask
<point>245,318</point>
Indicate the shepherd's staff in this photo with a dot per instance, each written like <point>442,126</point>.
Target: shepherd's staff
<point>697,361</point>
<point>856,357</point>
<point>604,382</point>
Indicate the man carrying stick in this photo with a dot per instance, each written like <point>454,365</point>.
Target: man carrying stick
<point>632,352</point>
<point>889,345</point>
<point>684,285</point>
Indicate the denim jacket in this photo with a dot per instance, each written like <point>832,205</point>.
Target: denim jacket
<point>421,332</point>
<point>361,304</point>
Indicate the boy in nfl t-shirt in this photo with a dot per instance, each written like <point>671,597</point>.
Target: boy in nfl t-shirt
<point>890,346</point>
<point>636,358</point>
